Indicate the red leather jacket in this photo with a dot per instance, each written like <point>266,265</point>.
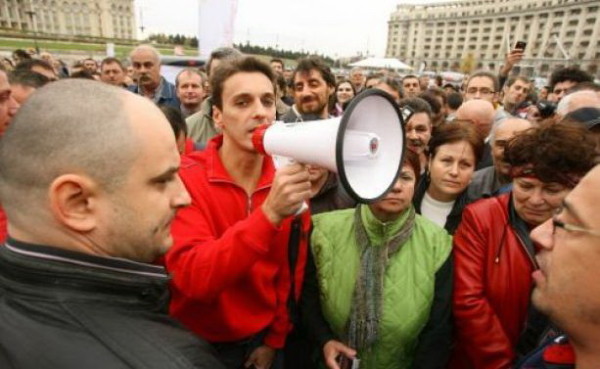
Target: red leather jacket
<point>492,284</point>
<point>229,264</point>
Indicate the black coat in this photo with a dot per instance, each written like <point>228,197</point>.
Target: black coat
<point>61,309</point>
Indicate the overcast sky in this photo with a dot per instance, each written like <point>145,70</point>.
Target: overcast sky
<point>335,28</point>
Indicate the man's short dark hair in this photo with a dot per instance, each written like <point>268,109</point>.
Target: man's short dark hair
<point>29,64</point>
<point>224,54</point>
<point>434,103</point>
<point>189,70</point>
<point>573,74</point>
<point>111,60</point>
<point>27,78</point>
<point>511,81</point>
<point>585,86</point>
<point>394,84</point>
<point>454,100</point>
<point>277,60</point>
<point>247,64</point>
<point>305,65</point>
<point>417,105</point>
<point>409,76</point>
<point>486,74</point>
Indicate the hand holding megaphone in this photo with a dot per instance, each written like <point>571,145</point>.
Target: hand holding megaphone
<point>289,191</point>
<point>364,147</point>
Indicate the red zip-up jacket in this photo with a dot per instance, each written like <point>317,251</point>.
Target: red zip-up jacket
<point>229,263</point>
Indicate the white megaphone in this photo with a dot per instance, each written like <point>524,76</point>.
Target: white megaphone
<point>365,146</point>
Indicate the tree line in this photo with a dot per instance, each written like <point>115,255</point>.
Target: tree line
<point>247,48</point>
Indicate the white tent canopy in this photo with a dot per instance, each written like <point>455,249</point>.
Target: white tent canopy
<point>388,63</point>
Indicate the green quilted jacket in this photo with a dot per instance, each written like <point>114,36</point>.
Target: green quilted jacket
<point>409,285</point>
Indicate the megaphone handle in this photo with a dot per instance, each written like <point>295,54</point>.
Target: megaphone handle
<point>280,162</point>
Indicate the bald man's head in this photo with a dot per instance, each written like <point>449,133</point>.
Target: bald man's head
<point>577,100</point>
<point>480,112</point>
<point>501,134</point>
<point>58,131</point>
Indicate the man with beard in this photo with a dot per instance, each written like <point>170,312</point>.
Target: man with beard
<point>190,91</point>
<point>418,127</point>
<point>314,83</point>
<point>145,61</point>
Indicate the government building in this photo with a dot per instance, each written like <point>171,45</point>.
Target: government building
<point>95,18</point>
<point>446,35</point>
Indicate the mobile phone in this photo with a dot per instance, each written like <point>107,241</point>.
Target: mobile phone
<point>345,362</point>
<point>521,45</point>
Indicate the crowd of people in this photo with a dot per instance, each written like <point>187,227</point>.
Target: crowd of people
<point>142,228</point>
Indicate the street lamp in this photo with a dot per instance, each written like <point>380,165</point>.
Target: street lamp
<point>31,14</point>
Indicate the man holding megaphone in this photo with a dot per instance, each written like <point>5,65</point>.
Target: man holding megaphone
<point>230,262</point>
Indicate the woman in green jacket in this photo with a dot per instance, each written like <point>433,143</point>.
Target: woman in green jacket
<point>379,285</point>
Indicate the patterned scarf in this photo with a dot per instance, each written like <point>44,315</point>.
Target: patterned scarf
<point>363,325</point>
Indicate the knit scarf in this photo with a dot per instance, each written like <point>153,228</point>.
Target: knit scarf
<point>363,325</point>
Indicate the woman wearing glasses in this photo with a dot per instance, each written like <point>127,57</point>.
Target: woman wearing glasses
<point>494,255</point>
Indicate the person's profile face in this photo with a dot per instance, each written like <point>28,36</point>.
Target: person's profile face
<point>144,205</point>
<point>8,105</point>
<point>566,283</point>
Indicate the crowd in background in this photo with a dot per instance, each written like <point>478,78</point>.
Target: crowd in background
<point>438,273</point>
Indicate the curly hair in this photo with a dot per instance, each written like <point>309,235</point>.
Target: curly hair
<point>573,74</point>
<point>559,152</point>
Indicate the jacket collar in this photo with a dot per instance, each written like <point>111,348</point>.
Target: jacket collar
<point>378,231</point>
<point>54,255</point>
<point>218,173</point>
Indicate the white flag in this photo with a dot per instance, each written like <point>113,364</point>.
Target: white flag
<point>216,23</point>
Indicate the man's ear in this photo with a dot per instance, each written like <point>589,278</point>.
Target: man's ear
<point>217,116</point>
<point>74,202</point>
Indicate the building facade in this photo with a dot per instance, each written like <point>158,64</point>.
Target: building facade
<point>95,18</point>
<point>452,34</point>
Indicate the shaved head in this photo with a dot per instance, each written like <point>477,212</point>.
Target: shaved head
<point>57,132</point>
<point>480,112</point>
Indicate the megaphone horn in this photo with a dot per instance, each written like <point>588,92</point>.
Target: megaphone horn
<point>365,146</point>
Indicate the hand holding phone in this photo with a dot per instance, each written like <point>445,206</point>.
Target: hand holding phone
<point>521,45</point>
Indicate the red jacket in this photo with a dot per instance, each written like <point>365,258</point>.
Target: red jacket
<point>3,226</point>
<point>492,285</point>
<point>229,264</point>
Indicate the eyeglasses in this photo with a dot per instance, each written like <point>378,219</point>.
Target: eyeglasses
<point>482,91</point>
<point>571,228</point>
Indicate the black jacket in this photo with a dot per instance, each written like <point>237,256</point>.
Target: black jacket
<point>62,309</point>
